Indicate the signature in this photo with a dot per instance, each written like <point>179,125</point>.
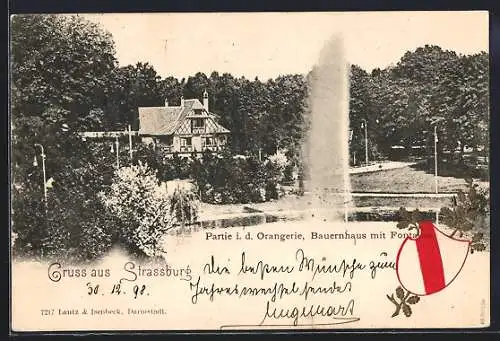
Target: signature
<point>341,312</point>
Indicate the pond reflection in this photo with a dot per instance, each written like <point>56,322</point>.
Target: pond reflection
<point>262,218</point>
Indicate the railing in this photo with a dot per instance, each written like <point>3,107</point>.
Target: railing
<point>103,134</point>
<point>198,130</point>
<point>211,148</point>
<point>189,149</point>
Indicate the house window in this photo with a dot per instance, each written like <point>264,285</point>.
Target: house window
<point>198,123</point>
<point>185,141</point>
<point>208,141</point>
<point>222,140</point>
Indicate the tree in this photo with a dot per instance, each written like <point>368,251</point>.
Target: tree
<point>65,64</point>
<point>59,87</point>
<point>360,108</point>
<point>423,65</point>
<point>393,101</point>
<point>426,83</point>
<point>255,102</point>
<point>59,76</point>
<point>134,86</point>
<point>442,83</point>
<point>225,103</point>
<point>171,88</point>
<point>464,99</point>
<point>196,85</point>
<point>285,123</point>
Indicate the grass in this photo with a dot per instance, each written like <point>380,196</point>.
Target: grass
<point>404,180</point>
<point>401,202</point>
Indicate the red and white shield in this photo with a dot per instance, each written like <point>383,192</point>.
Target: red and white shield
<point>430,262</point>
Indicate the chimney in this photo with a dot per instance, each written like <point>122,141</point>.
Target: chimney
<point>166,101</point>
<point>182,101</point>
<point>205,100</point>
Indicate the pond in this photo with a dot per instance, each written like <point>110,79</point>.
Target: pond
<point>262,218</point>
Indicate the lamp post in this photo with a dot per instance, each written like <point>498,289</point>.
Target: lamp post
<point>117,146</point>
<point>434,123</point>
<point>365,125</point>
<point>130,143</point>
<point>35,163</point>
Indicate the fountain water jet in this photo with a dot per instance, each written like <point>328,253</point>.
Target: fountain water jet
<point>327,145</point>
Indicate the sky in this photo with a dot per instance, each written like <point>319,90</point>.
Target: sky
<point>265,45</point>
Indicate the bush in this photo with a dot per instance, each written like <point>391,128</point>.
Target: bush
<point>73,229</point>
<point>168,168</point>
<point>277,165</point>
<point>83,232</point>
<point>95,239</point>
<point>143,210</point>
<point>146,154</point>
<point>74,224</point>
<point>236,179</point>
<point>183,206</point>
<point>174,168</point>
<point>28,222</point>
<point>288,174</point>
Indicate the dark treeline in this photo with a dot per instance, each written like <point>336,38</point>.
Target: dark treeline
<point>398,103</point>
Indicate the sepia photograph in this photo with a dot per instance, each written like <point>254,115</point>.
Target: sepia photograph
<point>241,171</point>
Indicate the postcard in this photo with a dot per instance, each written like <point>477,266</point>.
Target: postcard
<point>249,171</point>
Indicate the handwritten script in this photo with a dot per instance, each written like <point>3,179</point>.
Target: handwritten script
<point>306,290</point>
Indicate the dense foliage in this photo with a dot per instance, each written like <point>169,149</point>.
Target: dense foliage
<point>229,179</point>
<point>142,209</point>
<point>54,94</point>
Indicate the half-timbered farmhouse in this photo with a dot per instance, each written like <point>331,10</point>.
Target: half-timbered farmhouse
<point>185,129</point>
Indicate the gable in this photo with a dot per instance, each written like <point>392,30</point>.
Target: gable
<point>197,113</point>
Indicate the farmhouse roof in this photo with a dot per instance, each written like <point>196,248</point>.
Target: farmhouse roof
<point>166,120</point>
<point>218,128</point>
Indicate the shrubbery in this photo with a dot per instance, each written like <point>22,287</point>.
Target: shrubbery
<point>226,178</point>
<point>143,210</point>
<point>183,206</point>
<point>232,179</point>
<point>28,222</point>
<point>91,208</point>
<point>74,225</point>
<point>83,220</point>
<point>168,169</point>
